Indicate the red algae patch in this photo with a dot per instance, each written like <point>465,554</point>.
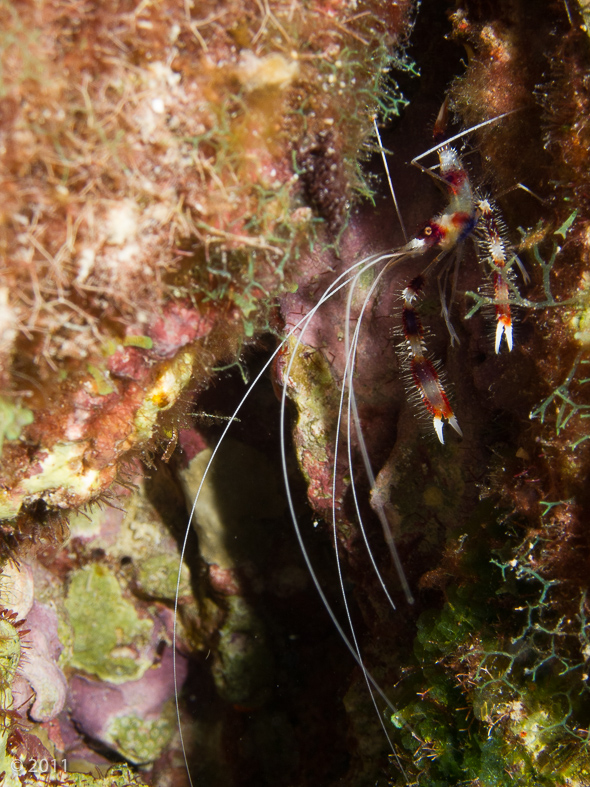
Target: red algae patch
<point>153,207</point>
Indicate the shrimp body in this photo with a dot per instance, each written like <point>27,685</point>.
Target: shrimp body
<point>445,231</point>
<point>466,214</point>
<point>454,224</point>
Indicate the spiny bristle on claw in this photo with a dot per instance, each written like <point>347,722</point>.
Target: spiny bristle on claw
<point>494,247</point>
<point>433,395</point>
<point>422,369</point>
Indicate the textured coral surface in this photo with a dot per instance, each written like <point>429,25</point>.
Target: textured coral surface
<point>487,671</point>
<point>181,184</point>
<point>158,162</point>
<point>164,166</point>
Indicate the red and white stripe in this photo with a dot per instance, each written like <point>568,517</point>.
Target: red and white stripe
<point>422,369</point>
<point>493,246</point>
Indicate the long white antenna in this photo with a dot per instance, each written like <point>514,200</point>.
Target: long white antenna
<point>340,282</point>
<point>462,134</point>
<point>391,189</point>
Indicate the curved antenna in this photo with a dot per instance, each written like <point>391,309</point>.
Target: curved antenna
<point>340,282</point>
<point>347,385</point>
<point>365,264</point>
<point>460,135</point>
<point>352,405</point>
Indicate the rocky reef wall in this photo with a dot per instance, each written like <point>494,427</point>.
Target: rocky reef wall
<point>181,184</point>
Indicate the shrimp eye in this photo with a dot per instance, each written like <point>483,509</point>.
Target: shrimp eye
<point>431,234</point>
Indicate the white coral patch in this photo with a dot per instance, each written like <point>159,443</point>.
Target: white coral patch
<point>128,253</point>
<point>86,260</point>
<point>163,394</point>
<point>9,504</point>
<point>122,223</point>
<point>160,92</point>
<point>63,469</point>
<point>147,121</point>
<point>17,588</point>
<point>531,731</point>
<point>257,73</point>
<point>7,323</point>
<point>162,75</point>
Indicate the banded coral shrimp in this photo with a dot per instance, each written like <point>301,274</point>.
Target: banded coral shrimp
<point>298,350</point>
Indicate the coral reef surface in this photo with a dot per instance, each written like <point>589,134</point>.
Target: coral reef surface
<point>181,185</point>
<point>160,167</point>
<point>486,671</point>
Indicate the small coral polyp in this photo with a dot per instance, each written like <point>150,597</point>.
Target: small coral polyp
<point>148,172</point>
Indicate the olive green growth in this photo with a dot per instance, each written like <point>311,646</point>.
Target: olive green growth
<point>103,384</point>
<point>13,418</point>
<point>109,635</point>
<point>144,342</point>
<point>10,651</point>
<point>243,666</point>
<point>158,576</point>
<point>141,740</point>
<point>117,776</point>
<point>498,696</point>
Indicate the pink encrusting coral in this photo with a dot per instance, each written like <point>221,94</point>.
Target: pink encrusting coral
<point>156,191</point>
<point>46,685</point>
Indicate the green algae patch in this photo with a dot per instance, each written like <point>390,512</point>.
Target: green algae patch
<point>116,776</point>
<point>141,740</point>
<point>501,687</point>
<point>104,387</point>
<point>143,342</point>
<point>13,418</point>
<point>158,576</point>
<point>10,652</point>
<point>243,667</point>
<point>109,636</point>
